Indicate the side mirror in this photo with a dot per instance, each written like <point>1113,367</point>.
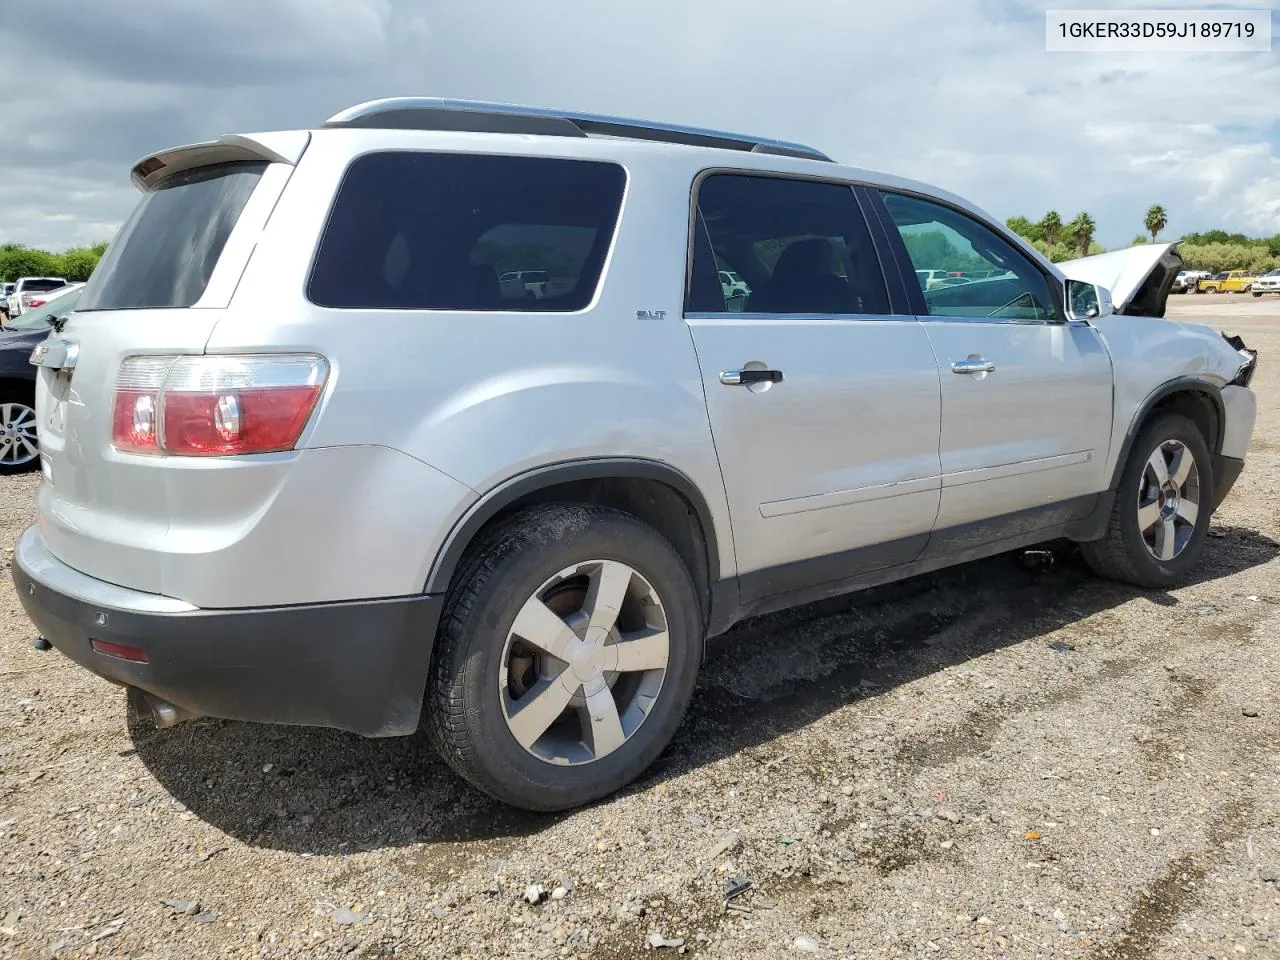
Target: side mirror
<point>1087,301</point>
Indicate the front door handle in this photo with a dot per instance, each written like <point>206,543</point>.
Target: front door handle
<point>973,365</point>
<point>740,378</point>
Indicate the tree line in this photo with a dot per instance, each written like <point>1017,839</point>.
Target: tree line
<point>73,265</point>
<point>1214,250</point>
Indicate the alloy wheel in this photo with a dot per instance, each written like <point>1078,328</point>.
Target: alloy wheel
<point>18,444</point>
<point>584,662</point>
<point>1168,500</point>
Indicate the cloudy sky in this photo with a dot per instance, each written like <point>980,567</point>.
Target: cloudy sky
<point>960,93</point>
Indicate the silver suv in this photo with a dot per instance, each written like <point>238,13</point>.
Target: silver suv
<point>307,460</point>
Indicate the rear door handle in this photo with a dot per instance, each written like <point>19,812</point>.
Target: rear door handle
<point>973,366</point>
<point>740,378</point>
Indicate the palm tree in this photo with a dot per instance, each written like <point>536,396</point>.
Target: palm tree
<point>1156,220</point>
<point>1051,227</point>
<point>1081,231</point>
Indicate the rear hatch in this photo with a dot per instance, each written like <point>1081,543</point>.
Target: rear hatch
<point>160,290</point>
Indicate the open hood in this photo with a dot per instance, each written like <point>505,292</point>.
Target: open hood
<point>1139,278</point>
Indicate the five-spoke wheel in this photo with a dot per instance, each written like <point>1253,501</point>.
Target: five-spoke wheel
<point>566,656</point>
<point>1169,500</point>
<point>584,662</point>
<point>1160,512</point>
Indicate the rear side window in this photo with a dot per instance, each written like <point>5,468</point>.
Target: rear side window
<point>787,247</point>
<point>446,231</point>
<point>165,253</point>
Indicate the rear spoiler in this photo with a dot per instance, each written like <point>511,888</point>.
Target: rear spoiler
<point>286,147</point>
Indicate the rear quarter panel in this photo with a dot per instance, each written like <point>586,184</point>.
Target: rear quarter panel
<point>483,397</point>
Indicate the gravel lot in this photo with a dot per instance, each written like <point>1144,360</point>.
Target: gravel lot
<point>1004,760</point>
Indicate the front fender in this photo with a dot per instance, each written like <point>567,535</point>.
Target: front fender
<point>1152,358</point>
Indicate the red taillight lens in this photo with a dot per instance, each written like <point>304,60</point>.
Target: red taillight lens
<point>136,421</point>
<point>215,406</point>
<point>236,421</point>
<point>121,651</point>
<point>34,302</point>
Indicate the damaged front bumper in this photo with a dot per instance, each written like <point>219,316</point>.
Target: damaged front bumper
<point>1249,360</point>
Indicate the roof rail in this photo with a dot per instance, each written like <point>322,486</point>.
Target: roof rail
<point>434,113</point>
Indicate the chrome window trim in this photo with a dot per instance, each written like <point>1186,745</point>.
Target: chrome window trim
<point>882,317</point>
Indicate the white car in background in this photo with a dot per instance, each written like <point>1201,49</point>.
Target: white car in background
<point>733,285</point>
<point>529,284</point>
<point>930,278</point>
<point>27,290</point>
<point>1267,283</point>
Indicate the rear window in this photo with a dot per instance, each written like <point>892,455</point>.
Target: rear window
<point>43,286</point>
<point>440,231</point>
<point>166,251</point>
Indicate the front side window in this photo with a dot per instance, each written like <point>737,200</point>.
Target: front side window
<point>966,269</point>
<point>450,231</point>
<point>786,247</point>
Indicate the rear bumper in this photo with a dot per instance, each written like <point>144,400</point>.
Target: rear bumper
<point>358,665</point>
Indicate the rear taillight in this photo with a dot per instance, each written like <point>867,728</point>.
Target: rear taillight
<point>34,302</point>
<point>215,406</point>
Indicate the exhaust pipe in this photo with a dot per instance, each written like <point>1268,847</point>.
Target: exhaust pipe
<point>163,713</point>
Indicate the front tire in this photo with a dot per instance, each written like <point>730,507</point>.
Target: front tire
<point>566,656</point>
<point>1160,514</point>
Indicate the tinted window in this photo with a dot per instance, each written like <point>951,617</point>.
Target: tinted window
<point>164,254</point>
<point>798,246</point>
<point>424,231</point>
<point>42,286</point>
<point>965,269</point>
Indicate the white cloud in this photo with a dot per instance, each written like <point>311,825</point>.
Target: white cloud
<point>956,92</point>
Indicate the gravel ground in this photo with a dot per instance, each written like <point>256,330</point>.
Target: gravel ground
<point>1004,760</point>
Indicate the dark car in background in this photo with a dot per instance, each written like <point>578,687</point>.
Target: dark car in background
<point>19,448</point>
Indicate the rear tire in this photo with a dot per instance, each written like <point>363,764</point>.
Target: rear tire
<point>608,700</point>
<point>1161,510</point>
<point>19,445</point>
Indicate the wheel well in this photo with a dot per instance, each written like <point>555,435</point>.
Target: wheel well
<point>17,385</point>
<point>658,504</point>
<point>1196,406</point>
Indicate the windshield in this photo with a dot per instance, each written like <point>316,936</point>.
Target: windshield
<point>38,317</point>
<point>165,253</point>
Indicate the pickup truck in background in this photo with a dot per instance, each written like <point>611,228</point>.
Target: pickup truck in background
<point>1233,281</point>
